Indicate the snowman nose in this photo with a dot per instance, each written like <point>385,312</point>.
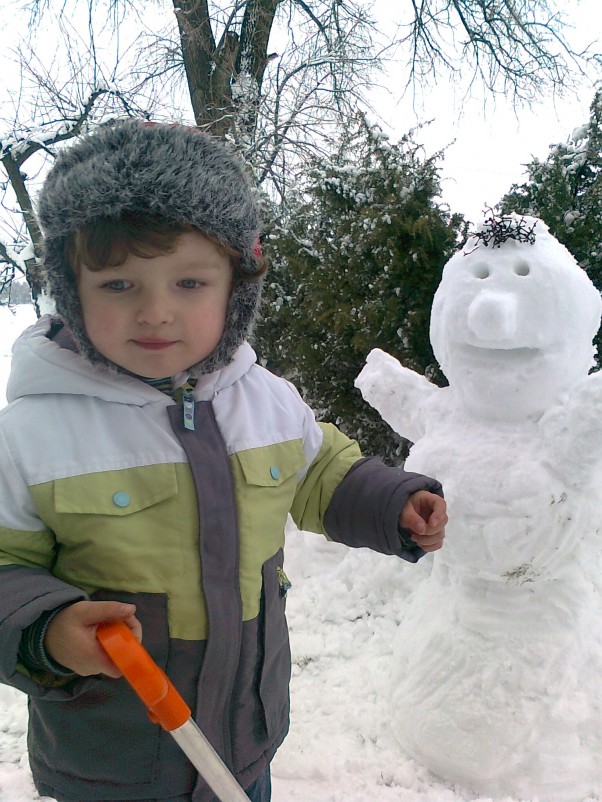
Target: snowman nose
<point>492,315</point>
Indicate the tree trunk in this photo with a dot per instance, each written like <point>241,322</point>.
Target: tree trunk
<point>213,70</point>
<point>33,265</point>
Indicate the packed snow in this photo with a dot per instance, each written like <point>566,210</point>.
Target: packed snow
<point>497,669</point>
<point>345,611</point>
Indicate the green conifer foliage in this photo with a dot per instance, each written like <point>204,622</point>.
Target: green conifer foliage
<point>565,191</point>
<point>356,267</point>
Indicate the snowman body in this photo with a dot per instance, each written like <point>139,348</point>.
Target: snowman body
<point>497,683</point>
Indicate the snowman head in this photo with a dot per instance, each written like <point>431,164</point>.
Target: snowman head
<point>513,319</point>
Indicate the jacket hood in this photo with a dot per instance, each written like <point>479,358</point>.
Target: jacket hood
<point>41,366</point>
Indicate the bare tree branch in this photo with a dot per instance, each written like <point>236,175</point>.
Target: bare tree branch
<point>15,266</point>
<point>52,104</point>
<point>277,103</point>
<point>514,47</point>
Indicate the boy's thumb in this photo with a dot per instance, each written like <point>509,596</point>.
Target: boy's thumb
<point>109,611</point>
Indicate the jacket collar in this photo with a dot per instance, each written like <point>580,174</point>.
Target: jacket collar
<point>42,365</point>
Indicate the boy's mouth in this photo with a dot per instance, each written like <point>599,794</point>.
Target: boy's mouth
<point>153,345</point>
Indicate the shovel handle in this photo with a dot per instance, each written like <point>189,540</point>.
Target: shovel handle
<point>164,704</point>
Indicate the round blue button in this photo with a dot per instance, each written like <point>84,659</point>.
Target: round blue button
<point>121,499</point>
<point>274,472</point>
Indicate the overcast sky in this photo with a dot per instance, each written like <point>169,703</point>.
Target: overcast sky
<point>491,146</point>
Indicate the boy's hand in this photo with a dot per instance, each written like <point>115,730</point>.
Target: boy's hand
<point>424,514</point>
<point>71,636</point>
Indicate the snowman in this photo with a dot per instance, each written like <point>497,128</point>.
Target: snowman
<point>497,683</point>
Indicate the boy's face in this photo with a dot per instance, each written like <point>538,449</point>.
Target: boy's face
<point>158,316</point>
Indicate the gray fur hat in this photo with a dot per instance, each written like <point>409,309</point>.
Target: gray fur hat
<point>174,171</point>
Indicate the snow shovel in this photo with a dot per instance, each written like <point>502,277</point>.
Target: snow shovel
<point>167,708</point>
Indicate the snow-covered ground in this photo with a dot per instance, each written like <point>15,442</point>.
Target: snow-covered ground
<point>344,609</point>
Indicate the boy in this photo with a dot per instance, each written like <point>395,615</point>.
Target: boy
<point>148,469</point>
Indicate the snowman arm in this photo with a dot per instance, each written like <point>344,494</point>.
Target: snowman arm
<point>586,423</point>
<point>573,430</point>
<point>398,394</point>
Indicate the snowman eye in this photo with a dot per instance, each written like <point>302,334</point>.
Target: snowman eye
<point>481,271</point>
<point>522,269</point>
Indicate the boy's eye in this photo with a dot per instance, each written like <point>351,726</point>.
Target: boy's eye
<point>190,283</point>
<point>116,285</point>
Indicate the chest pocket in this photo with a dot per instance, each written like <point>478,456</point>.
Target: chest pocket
<point>115,492</point>
<point>119,528</point>
<point>272,466</point>
<point>266,481</point>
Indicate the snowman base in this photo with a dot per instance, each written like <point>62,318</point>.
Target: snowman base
<point>499,712</point>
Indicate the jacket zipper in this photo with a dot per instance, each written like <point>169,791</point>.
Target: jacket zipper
<point>188,406</point>
<point>283,581</point>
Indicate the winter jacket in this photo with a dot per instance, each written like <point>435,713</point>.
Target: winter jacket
<point>106,494</point>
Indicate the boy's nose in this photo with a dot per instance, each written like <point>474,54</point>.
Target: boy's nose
<point>154,310</point>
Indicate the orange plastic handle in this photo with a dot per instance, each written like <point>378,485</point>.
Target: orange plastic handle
<point>164,704</point>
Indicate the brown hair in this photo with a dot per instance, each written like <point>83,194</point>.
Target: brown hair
<point>107,243</point>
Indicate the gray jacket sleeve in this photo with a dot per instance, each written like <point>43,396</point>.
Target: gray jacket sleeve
<point>25,594</point>
<point>364,509</point>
